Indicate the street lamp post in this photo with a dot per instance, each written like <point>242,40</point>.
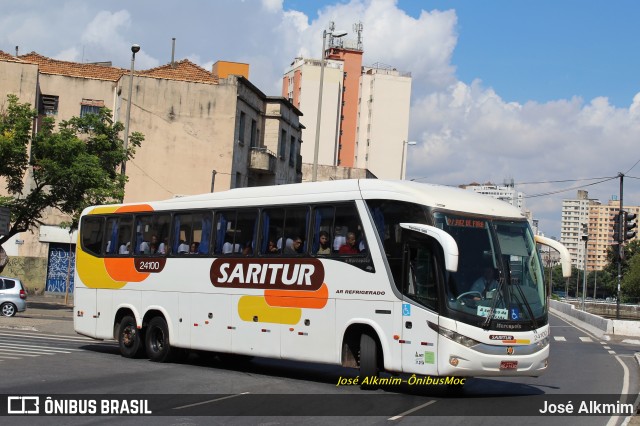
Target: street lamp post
<point>325,33</point>
<point>134,49</point>
<point>404,144</point>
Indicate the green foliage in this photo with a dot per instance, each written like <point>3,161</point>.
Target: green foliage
<point>631,279</point>
<point>70,168</point>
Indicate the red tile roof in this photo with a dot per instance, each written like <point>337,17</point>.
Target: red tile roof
<point>73,69</point>
<point>184,70</point>
<point>9,58</point>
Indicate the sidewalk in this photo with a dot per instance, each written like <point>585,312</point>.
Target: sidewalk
<point>45,313</point>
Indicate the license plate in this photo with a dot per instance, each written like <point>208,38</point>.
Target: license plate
<point>508,365</point>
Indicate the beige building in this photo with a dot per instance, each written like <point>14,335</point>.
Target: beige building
<point>582,213</point>
<point>202,132</point>
<point>600,231</point>
<point>365,110</point>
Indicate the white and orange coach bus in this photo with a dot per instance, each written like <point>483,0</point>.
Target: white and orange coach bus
<point>376,275</point>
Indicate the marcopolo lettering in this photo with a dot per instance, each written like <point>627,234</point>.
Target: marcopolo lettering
<point>276,274</point>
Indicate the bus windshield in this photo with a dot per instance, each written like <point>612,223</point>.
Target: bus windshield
<point>499,276</point>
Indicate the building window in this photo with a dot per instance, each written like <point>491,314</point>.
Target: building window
<point>90,106</point>
<point>254,135</point>
<point>292,152</point>
<point>49,104</point>
<point>282,152</point>
<point>241,130</point>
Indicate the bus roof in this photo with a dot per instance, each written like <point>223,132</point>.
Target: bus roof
<point>439,196</point>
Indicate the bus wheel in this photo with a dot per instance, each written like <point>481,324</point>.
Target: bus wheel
<point>129,338</point>
<point>157,341</point>
<point>369,370</point>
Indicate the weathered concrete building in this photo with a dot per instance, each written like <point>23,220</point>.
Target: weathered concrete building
<point>202,132</point>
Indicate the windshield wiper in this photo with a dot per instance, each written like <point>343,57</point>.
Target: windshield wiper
<point>492,310</point>
<point>527,305</point>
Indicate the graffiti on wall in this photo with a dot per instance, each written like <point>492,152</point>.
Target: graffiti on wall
<point>60,266</point>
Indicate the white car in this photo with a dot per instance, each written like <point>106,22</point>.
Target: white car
<point>13,296</point>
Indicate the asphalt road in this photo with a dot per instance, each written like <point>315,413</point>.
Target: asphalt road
<point>40,355</point>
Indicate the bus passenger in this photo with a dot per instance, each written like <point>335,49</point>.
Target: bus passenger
<point>350,247</point>
<point>183,248</point>
<point>247,250</point>
<point>295,247</point>
<point>324,247</point>
<point>272,248</point>
<point>124,248</point>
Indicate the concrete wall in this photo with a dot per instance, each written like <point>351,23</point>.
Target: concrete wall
<point>72,90</point>
<point>614,327</point>
<point>384,123</point>
<point>334,173</point>
<point>32,271</point>
<point>189,131</point>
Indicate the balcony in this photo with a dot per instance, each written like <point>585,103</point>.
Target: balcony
<point>262,161</point>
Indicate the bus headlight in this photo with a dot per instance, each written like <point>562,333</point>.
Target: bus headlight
<point>456,337</point>
<point>543,343</point>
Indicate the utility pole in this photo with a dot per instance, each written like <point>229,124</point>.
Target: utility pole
<point>620,245</point>
<point>585,238</point>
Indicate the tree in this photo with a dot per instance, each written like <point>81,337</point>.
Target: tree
<point>66,169</point>
<point>630,285</point>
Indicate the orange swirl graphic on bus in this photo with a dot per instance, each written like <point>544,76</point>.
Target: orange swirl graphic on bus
<point>109,272</point>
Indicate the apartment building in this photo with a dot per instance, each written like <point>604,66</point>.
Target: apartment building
<point>203,131</point>
<point>600,232</point>
<point>365,109</point>
<point>506,192</point>
<point>575,216</point>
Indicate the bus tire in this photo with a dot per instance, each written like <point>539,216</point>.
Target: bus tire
<point>157,341</point>
<point>368,362</point>
<point>130,338</point>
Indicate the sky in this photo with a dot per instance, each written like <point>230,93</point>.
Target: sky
<point>545,93</point>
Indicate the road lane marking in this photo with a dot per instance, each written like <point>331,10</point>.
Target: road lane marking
<point>212,400</point>
<point>33,351</point>
<point>399,416</point>
<point>559,338</point>
<point>41,348</point>
<point>586,339</point>
<point>625,389</point>
<point>612,352</point>
<point>2,351</point>
<point>53,337</point>
<point>606,347</point>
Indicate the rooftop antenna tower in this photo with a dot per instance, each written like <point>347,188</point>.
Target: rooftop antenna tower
<point>358,30</point>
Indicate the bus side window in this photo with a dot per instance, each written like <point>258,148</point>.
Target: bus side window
<point>347,222</point>
<point>191,233</point>
<point>272,231</point>
<point>226,231</point>
<point>111,236</point>
<point>92,231</point>
<point>296,225</point>
<point>151,233</point>
<point>125,230</point>
<point>420,278</point>
<point>323,225</point>
<point>246,233</point>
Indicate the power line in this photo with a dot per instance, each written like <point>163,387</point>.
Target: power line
<point>633,166</point>
<point>570,189</point>
<point>562,181</point>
